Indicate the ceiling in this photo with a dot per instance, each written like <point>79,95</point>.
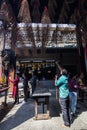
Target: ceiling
<point>46,12</point>
<point>60,11</point>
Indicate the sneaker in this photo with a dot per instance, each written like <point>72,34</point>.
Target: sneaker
<point>24,102</point>
<point>65,126</point>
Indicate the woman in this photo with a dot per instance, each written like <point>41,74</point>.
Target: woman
<point>62,84</point>
<point>15,88</point>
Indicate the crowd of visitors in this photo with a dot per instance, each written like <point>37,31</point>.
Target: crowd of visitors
<point>68,90</point>
<point>62,84</point>
<point>23,81</point>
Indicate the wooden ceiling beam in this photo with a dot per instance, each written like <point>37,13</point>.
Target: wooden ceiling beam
<point>64,13</point>
<point>67,11</point>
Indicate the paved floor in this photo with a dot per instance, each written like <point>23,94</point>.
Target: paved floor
<point>20,117</point>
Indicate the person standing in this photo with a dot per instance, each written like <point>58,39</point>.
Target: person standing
<point>25,87</point>
<point>62,84</point>
<point>81,82</point>
<point>15,82</point>
<point>34,81</point>
<point>73,87</point>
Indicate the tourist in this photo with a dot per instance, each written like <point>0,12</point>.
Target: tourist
<point>81,82</point>
<point>25,88</point>
<point>73,88</point>
<point>15,82</point>
<point>34,81</point>
<point>62,84</point>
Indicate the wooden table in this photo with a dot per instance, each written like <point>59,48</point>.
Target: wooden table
<point>41,96</point>
<point>4,90</point>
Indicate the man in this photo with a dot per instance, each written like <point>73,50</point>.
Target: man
<point>62,84</point>
<point>25,87</point>
<point>73,87</point>
<point>33,81</point>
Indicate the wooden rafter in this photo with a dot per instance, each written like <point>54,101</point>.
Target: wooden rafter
<point>24,12</point>
<point>35,4</point>
<point>31,36</point>
<point>45,19</point>
<point>52,6</point>
<point>38,39</point>
<point>7,16</point>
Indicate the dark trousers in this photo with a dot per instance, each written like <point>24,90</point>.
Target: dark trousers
<point>25,93</point>
<point>33,88</point>
<point>64,103</point>
<point>17,98</point>
<point>16,94</point>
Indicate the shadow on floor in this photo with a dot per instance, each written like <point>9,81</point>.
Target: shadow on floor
<point>5,110</point>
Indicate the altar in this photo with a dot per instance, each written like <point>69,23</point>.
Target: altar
<point>41,96</point>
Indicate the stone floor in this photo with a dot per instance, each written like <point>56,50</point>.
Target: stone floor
<point>20,117</point>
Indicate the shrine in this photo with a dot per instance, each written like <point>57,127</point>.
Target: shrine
<point>34,34</point>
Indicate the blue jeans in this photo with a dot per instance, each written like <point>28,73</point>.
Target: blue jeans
<point>73,101</point>
<point>64,103</point>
